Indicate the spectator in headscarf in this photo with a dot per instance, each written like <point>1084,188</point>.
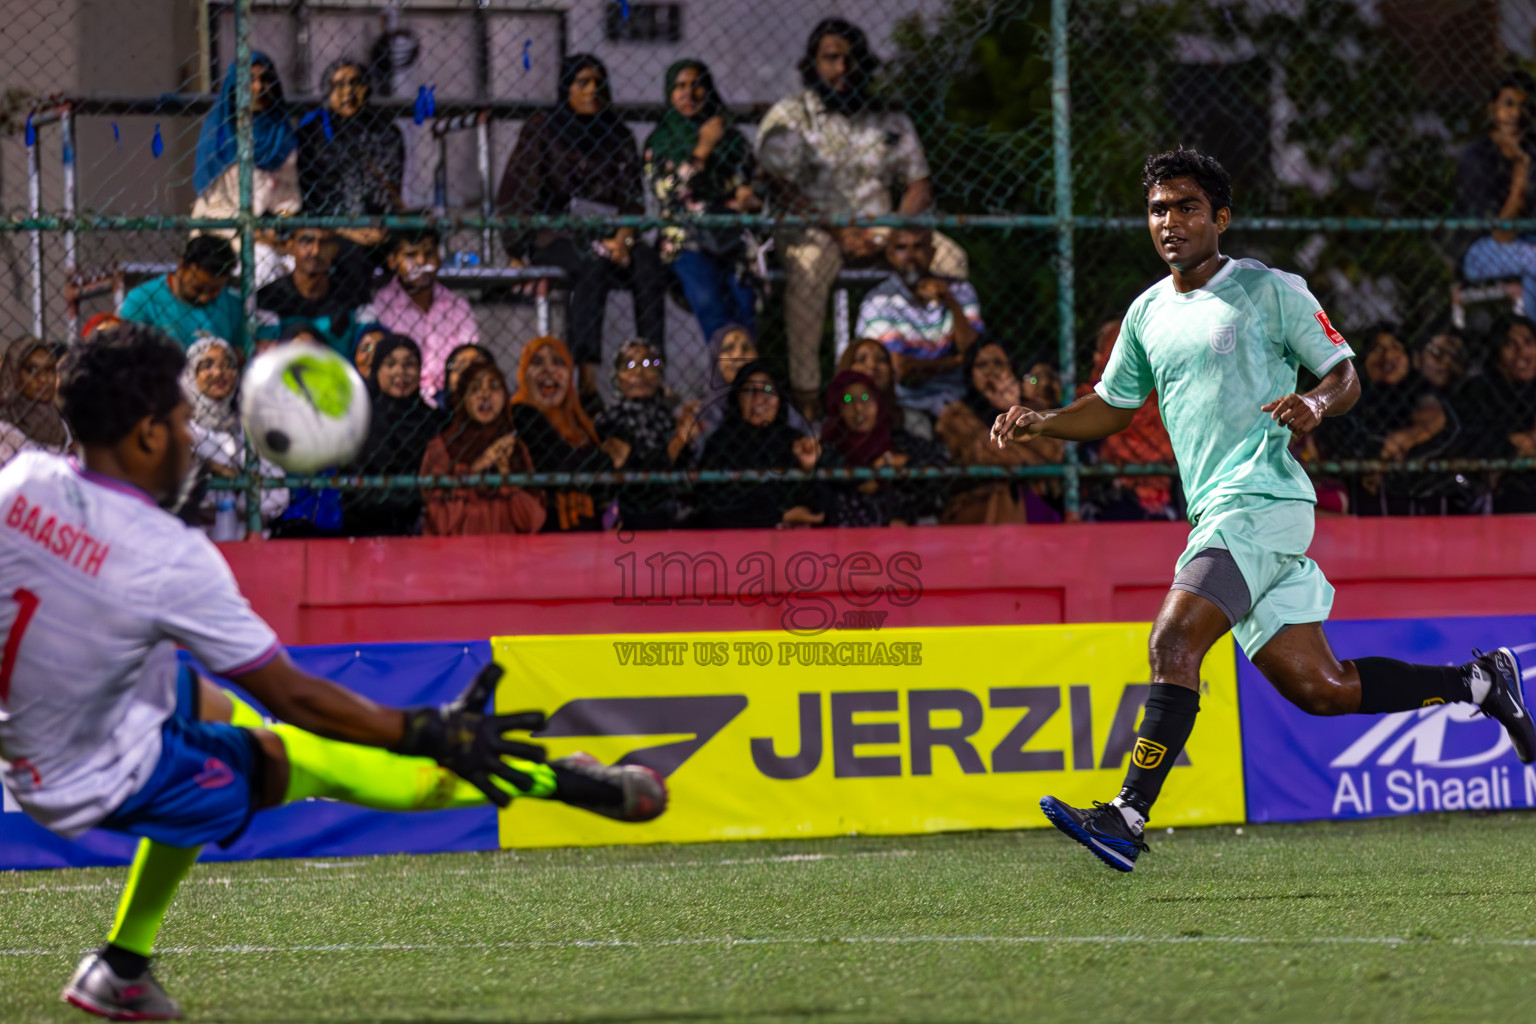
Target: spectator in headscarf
<point>460,358</point>
<point>351,156</point>
<point>560,435</point>
<point>658,435</point>
<point>965,427</point>
<point>1399,416</point>
<point>731,347</point>
<point>398,434</point>
<point>416,304</point>
<point>580,159</point>
<point>210,382</point>
<point>836,150</point>
<point>1442,358</point>
<point>871,358</point>
<point>756,434</point>
<point>275,176</point>
<point>29,418</point>
<point>368,337</point>
<point>859,431</point>
<point>479,439</point>
<point>697,161</point>
<point>1499,410</point>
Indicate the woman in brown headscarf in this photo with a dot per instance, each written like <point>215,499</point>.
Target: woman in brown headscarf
<point>559,434</point>
<point>29,419</point>
<point>479,439</point>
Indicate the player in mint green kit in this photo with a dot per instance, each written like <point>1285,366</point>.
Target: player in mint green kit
<point>1220,341</point>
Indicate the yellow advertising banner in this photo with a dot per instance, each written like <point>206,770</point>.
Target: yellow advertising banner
<point>763,735</point>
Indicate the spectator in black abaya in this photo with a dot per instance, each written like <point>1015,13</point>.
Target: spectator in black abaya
<point>1500,411</point>
<point>402,427</point>
<point>657,430</point>
<point>580,159</point>
<point>351,156</point>
<point>755,434</point>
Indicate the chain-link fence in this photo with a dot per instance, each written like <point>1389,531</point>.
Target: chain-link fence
<point>743,264</point>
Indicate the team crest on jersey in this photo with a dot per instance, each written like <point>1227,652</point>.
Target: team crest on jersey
<point>1147,754</point>
<point>1223,338</point>
<point>1333,335</point>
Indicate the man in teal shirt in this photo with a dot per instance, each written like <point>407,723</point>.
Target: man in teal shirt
<point>193,300</point>
<point>1220,341</point>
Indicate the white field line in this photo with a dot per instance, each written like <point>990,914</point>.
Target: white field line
<point>512,866</point>
<point>729,942</point>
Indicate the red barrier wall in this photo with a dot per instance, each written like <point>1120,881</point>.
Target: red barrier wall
<point>472,587</point>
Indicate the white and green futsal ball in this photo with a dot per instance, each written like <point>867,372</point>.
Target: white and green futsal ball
<point>304,407</point>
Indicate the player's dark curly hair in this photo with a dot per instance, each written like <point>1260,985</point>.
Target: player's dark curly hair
<point>1206,171</point>
<point>120,376</point>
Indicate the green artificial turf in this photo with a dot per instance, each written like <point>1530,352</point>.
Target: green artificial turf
<point>1424,919</point>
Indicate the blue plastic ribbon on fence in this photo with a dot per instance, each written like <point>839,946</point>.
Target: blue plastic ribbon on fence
<point>624,9</point>
<point>420,114</point>
<point>527,60</point>
<point>117,137</point>
<point>156,144</point>
<point>31,133</point>
<point>432,101</point>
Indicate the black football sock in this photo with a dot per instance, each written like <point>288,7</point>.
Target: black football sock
<point>125,963</point>
<point>1387,684</point>
<point>1165,728</point>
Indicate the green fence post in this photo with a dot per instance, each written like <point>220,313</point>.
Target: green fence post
<point>246,156</point>
<point>1061,145</point>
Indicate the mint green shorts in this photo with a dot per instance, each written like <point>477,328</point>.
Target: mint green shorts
<point>1268,539</point>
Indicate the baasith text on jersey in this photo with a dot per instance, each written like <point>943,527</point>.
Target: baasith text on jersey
<point>98,585</point>
<point>1215,356</point>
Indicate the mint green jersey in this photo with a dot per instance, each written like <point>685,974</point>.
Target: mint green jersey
<point>1214,356</point>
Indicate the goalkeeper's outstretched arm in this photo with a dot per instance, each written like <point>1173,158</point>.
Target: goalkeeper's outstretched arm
<point>1087,419</point>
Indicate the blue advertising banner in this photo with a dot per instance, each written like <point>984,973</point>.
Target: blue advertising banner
<point>1441,758</point>
<point>394,674</point>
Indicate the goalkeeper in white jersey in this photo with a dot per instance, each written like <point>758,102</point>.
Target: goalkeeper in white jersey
<point>101,728</point>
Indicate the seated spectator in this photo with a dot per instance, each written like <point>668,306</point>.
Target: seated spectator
<point>1399,416</point>
<point>756,434</point>
<point>1040,387</point>
<point>413,303</point>
<point>1499,412</point>
<point>351,156</point>
<point>927,323</point>
<point>580,159</point>
<point>275,176</point>
<point>402,427</point>
<point>965,427</point>
<point>730,348</point>
<point>836,150</point>
<point>657,435</point>
<point>368,337</point>
<point>869,357</point>
<point>1494,180</point>
<point>1442,359</point>
<point>29,418</point>
<point>460,358</point>
<point>479,439</point>
<point>560,435</point>
<point>859,430</point>
<point>210,382</point>
<point>318,290</point>
<point>1146,441</point>
<point>696,161</point>
<point>192,300</point>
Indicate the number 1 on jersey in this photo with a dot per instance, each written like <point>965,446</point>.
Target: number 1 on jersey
<point>26,606</point>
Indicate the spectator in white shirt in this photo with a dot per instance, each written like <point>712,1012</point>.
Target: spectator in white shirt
<point>835,149</point>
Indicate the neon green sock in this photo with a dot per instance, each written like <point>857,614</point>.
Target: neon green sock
<point>376,778</point>
<point>152,880</point>
<point>245,716</point>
